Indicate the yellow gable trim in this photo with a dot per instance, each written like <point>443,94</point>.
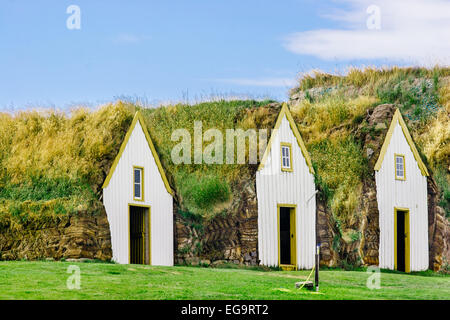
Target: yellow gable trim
<point>285,112</point>
<point>398,118</point>
<point>138,117</point>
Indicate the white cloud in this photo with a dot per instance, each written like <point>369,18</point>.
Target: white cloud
<point>260,82</point>
<point>415,31</point>
<point>129,38</point>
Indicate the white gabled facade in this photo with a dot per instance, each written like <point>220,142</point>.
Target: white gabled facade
<point>294,188</point>
<point>137,150</point>
<point>409,194</point>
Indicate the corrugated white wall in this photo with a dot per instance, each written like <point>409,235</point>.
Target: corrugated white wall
<point>410,194</point>
<point>273,187</point>
<point>119,194</point>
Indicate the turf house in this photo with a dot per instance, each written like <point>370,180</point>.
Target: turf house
<point>286,199</point>
<point>101,184</point>
<point>138,202</point>
<point>401,178</point>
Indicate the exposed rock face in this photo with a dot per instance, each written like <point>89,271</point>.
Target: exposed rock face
<point>325,233</point>
<point>438,237</point>
<point>370,231</point>
<point>446,253</point>
<point>77,236</point>
<point>231,237</point>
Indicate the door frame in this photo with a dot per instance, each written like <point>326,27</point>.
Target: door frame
<point>293,225</point>
<point>407,239</point>
<point>149,232</point>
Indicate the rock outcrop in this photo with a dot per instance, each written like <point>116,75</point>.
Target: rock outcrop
<point>438,231</point>
<point>326,235</point>
<point>68,236</point>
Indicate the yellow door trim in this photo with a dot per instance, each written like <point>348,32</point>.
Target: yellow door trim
<point>293,225</point>
<point>149,232</point>
<point>407,239</point>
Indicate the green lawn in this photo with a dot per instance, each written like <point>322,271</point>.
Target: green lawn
<point>47,280</point>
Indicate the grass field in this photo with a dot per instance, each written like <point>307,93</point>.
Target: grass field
<point>47,280</point>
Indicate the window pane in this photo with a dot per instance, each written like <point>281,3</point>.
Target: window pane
<point>288,155</point>
<point>285,157</point>
<point>400,166</point>
<point>137,190</point>
<point>137,175</point>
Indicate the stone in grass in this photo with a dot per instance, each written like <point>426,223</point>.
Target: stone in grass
<point>380,126</point>
<point>219,262</point>
<point>307,284</point>
<point>205,262</point>
<point>79,260</point>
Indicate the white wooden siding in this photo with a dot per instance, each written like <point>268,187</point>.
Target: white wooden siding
<point>276,187</point>
<point>119,194</point>
<point>410,194</point>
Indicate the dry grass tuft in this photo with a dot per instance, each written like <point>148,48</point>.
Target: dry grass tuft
<point>330,117</point>
<point>368,76</point>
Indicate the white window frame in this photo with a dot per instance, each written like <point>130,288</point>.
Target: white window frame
<point>139,184</point>
<point>403,167</point>
<point>286,158</point>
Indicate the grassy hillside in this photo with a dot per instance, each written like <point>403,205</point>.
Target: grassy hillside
<point>53,163</point>
<point>47,280</point>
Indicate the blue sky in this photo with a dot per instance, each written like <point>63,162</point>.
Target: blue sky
<point>176,50</point>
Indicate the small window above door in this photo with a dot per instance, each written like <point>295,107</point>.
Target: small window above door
<point>400,173</point>
<point>138,183</point>
<point>286,157</point>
